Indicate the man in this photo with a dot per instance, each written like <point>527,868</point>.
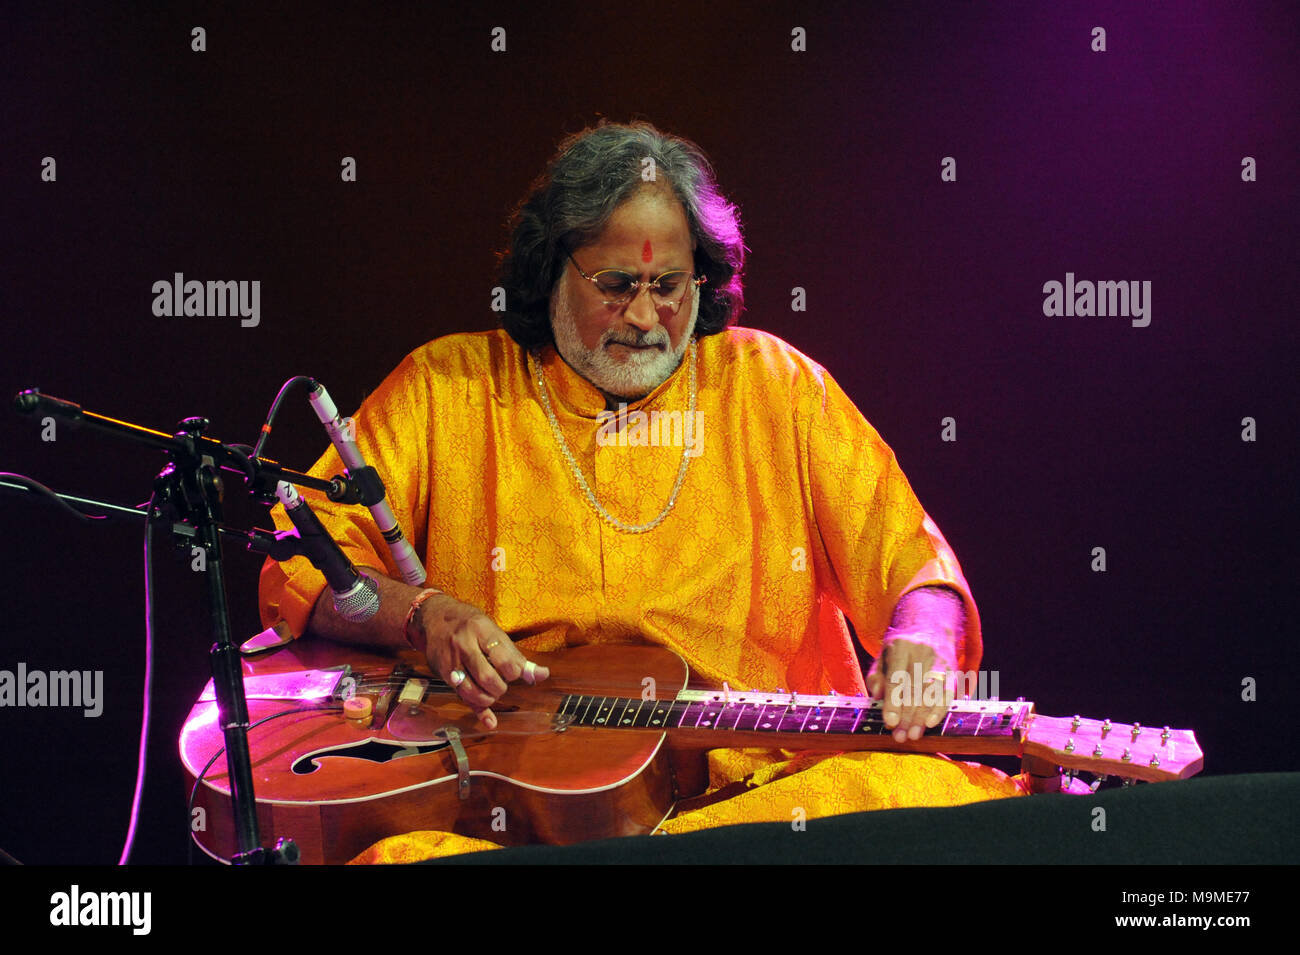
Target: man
<point>550,515</point>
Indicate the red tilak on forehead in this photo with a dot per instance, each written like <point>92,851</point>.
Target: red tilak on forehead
<point>646,252</point>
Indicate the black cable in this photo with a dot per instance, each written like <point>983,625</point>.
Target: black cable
<point>275,407</point>
<point>40,488</point>
<point>189,856</point>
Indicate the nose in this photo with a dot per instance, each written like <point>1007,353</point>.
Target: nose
<point>641,311</point>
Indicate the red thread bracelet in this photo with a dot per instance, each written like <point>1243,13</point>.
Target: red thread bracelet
<point>420,598</point>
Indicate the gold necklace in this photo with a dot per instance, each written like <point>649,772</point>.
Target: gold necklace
<point>577,471</point>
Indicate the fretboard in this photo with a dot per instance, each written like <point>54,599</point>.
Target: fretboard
<point>714,710</point>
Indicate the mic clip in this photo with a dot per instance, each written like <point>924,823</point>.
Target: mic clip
<point>362,486</point>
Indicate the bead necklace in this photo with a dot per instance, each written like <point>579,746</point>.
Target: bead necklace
<point>582,481</point>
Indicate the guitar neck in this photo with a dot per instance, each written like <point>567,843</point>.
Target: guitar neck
<point>718,718</point>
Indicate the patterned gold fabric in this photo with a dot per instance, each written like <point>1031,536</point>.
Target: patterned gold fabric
<point>793,510</point>
<point>773,786</point>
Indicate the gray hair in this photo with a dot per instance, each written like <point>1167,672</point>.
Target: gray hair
<point>569,205</point>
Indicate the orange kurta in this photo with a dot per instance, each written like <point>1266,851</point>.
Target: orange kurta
<point>793,509</point>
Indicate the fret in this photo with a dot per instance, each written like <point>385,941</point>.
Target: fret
<point>590,700</point>
<point>660,715</point>
<point>871,723</point>
<point>602,712</point>
<point>793,719</point>
<point>642,715</point>
<point>709,715</point>
<point>566,705</point>
<point>769,720</point>
<point>620,715</point>
<point>819,720</point>
<point>750,714</point>
<point>843,719</point>
<point>862,715</point>
<point>677,713</point>
<point>694,715</point>
<point>731,715</point>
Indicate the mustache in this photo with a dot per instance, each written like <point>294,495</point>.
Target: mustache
<point>631,337</point>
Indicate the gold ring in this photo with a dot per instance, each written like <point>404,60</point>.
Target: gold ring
<point>491,645</point>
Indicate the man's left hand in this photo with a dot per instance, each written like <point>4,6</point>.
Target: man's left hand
<point>915,680</point>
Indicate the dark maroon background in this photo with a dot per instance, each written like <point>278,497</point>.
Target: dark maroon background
<point>924,301</point>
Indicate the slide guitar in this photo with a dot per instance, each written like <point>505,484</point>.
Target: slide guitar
<point>603,748</point>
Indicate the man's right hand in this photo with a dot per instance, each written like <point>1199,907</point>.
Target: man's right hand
<point>471,653</point>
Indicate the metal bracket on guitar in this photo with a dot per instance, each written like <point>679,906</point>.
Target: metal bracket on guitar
<point>452,736</point>
<point>561,722</point>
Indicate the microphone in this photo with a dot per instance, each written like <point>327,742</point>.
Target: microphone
<point>373,494</point>
<point>356,595</point>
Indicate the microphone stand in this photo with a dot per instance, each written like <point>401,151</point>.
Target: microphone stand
<point>189,491</point>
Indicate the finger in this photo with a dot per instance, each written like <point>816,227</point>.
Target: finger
<point>932,703</point>
<point>487,718</point>
<point>910,710</point>
<point>468,689</point>
<point>926,709</point>
<point>511,663</point>
<point>476,664</point>
<point>533,673</point>
<point>940,709</point>
<point>898,677</point>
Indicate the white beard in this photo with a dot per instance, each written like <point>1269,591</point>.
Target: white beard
<point>633,376</point>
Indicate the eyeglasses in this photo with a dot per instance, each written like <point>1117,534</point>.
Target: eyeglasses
<point>618,288</point>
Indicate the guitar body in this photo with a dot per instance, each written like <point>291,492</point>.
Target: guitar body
<point>535,786</point>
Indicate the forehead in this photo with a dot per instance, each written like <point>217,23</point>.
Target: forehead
<point>646,217</point>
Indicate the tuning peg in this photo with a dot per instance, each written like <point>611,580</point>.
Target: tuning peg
<point>1105,728</point>
<point>1137,731</point>
<point>1096,783</point>
<point>1155,761</point>
<point>1097,751</point>
<point>1128,756</point>
<point>1074,724</point>
<point>1164,735</point>
<point>1126,782</point>
<point>1069,744</point>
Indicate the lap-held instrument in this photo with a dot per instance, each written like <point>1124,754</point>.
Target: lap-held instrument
<point>354,746</point>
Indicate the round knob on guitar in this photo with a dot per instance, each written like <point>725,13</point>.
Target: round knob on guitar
<point>358,708</point>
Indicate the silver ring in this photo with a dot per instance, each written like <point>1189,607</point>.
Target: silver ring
<point>456,677</point>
